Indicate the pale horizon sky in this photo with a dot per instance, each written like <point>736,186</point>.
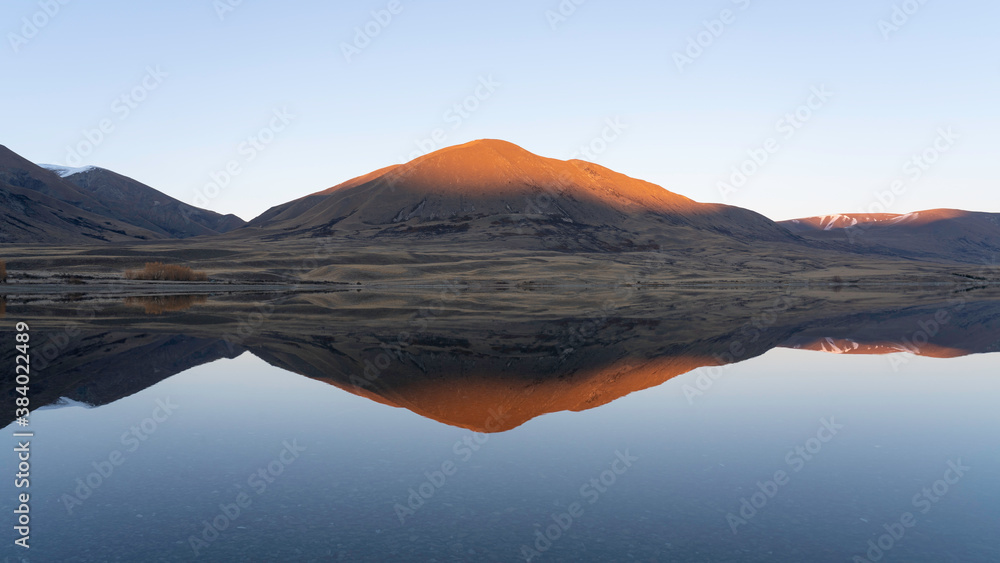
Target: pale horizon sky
<point>206,80</point>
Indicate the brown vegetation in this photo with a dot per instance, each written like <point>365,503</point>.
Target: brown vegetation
<point>3,272</point>
<point>165,272</point>
<point>166,303</point>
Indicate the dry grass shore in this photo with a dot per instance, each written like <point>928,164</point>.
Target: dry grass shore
<point>391,264</point>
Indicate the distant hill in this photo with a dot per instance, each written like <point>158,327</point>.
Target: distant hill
<point>149,208</point>
<point>59,205</point>
<point>37,206</point>
<point>949,235</point>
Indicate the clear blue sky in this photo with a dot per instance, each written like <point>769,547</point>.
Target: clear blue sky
<point>555,85</point>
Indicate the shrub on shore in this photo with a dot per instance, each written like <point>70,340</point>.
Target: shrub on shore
<point>166,303</point>
<point>165,272</point>
<point>3,272</point>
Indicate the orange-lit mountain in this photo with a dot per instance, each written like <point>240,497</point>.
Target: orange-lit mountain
<point>949,235</point>
<point>495,190</point>
<point>491,196</point>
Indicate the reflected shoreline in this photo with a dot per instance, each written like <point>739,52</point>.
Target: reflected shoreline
<point>460,357</point>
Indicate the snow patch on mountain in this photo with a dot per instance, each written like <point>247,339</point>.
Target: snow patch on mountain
<point>66,171</point>
<point>65,402</point>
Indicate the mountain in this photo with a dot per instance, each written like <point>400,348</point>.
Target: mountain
<point>948,235</point>
<point>490,210</point>
<point>146,207</point>
<point>485,211</point>
<point>59,205</point>
<point>37,206</point>
<point>27,216</point>
<point>492,191</point>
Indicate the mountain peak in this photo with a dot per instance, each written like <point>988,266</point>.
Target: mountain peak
<point>480,149</point>
<point>486,165</point>
<point>482,155</point>
<point>487,144</point>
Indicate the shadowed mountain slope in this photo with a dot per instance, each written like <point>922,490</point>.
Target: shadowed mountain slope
<point>149,208</point>
<point>58,205</point>
<point>37,206</point>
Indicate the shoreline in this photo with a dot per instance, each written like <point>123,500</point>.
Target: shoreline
<point>138,288</point>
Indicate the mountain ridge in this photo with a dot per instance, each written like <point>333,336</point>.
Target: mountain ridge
<point>943,235</point>
<point>92,204</point>
<point>489,206</point>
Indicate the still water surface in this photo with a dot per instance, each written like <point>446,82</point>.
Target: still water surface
<point>515,437</point>
<point>331,476</point>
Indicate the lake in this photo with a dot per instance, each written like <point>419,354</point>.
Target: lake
<point>773,426</point>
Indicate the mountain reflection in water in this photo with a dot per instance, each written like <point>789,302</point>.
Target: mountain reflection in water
<point>459,357</point>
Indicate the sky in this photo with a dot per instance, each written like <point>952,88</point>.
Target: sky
<point>789,108</point>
